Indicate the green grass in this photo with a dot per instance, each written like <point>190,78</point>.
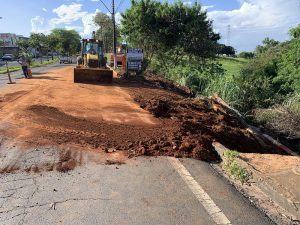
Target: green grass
<point>233,168</point>
<point>225,86</point>
<point>11,69</point>
<point>232,66</point>
<point>33,65</point>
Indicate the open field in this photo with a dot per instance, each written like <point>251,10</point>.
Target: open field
<point>232,66</point>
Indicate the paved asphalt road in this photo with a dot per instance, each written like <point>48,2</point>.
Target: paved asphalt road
<point>36,71</point>
<point>10,63</point>
<point>143,191</point>
<point>15,63</point>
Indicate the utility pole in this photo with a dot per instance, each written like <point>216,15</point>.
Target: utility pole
<point>114,30</point>
<point>114,34</point>
<point>8,74</point>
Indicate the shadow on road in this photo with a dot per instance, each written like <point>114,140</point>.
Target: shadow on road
<point>45,78</point>
<point>41,73</point>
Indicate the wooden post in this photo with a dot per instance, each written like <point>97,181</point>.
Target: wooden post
<point>8,74</point>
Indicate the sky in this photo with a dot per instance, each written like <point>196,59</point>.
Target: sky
<point>241,23</point>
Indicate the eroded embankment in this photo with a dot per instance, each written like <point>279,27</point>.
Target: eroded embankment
<point>57,112</point>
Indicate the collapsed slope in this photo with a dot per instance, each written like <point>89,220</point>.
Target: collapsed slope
<point>55,111</point>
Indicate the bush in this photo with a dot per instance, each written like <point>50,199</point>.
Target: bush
<point>246,55</point>
<point>188,72</point>
<point>263,82</point>
<point>225,87</point>
<point>282,118</point>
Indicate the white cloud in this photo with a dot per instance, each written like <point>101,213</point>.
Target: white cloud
<point>73,27</point>
<point>187,3</point>
<point>95,0</point>
<point>44,9</point>
<point>206,7</point>
<point>38,25</point>
<point>256,19</point>
<point>88,24</point>
<point>67,14</point>
<point>118,17</point>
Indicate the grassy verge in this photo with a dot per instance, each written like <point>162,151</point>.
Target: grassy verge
<point>11,69</point>
<point>232,66</point>
<point>33,65</point>
<point>233,168</point>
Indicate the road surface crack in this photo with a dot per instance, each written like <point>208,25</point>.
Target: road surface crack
<point>67,200</point>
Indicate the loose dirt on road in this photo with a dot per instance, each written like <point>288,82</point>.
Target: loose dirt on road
<point>135,117</point>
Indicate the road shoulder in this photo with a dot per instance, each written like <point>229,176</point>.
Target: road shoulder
<point>274,191</point>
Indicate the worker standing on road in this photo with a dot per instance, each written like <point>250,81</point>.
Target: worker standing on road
<point>24,65</point>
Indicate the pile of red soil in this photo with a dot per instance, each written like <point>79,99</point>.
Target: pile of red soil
<point>62,128</point>
<point>201,122</point>
<point>187,126</point>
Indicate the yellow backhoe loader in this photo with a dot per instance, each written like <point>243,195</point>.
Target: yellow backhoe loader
<point>91,64</point>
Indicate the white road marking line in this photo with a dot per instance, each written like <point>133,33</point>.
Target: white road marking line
<point>211,208</point>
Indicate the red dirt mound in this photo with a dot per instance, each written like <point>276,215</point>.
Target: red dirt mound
<point>59,112</point>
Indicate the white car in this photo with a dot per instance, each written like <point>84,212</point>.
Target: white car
<point>65,60</point>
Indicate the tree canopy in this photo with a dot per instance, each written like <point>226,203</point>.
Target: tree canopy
<point>226,50</point>
<point>289,65</point>
<point>266,44</point>
<point>105,31</point>
<point>64,41</point>
<point>246,55</point>
<point>158,27</point>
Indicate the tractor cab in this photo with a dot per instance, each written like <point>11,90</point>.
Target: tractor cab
<point>92,53</point>
<point>91,66</point>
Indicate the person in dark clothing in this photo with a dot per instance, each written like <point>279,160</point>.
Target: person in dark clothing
<point>24,65</point>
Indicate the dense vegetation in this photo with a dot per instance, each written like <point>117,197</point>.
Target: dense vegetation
<point>173,36</point>
<point>180,44</point>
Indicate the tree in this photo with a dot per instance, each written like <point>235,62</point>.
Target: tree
<point>37,41</point>
<point>226,50</point>
<point>64,41</point>
<point>295,32</point>
<point>25,49</point>
<point>267,43</point>
<point>53,42</point>
<point>175,29</point>
<point>1,42</point>
<point>289,64</point>
<point>246,55</point>
<point>272,76</point>
<point>105,31</point>
<point>136,26</point>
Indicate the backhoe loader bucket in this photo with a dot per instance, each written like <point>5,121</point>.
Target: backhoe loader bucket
<point>93,75</point>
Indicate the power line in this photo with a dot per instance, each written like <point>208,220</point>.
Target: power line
<point>114,34</point>
<point>106,6</point>
<point>112,12</point>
